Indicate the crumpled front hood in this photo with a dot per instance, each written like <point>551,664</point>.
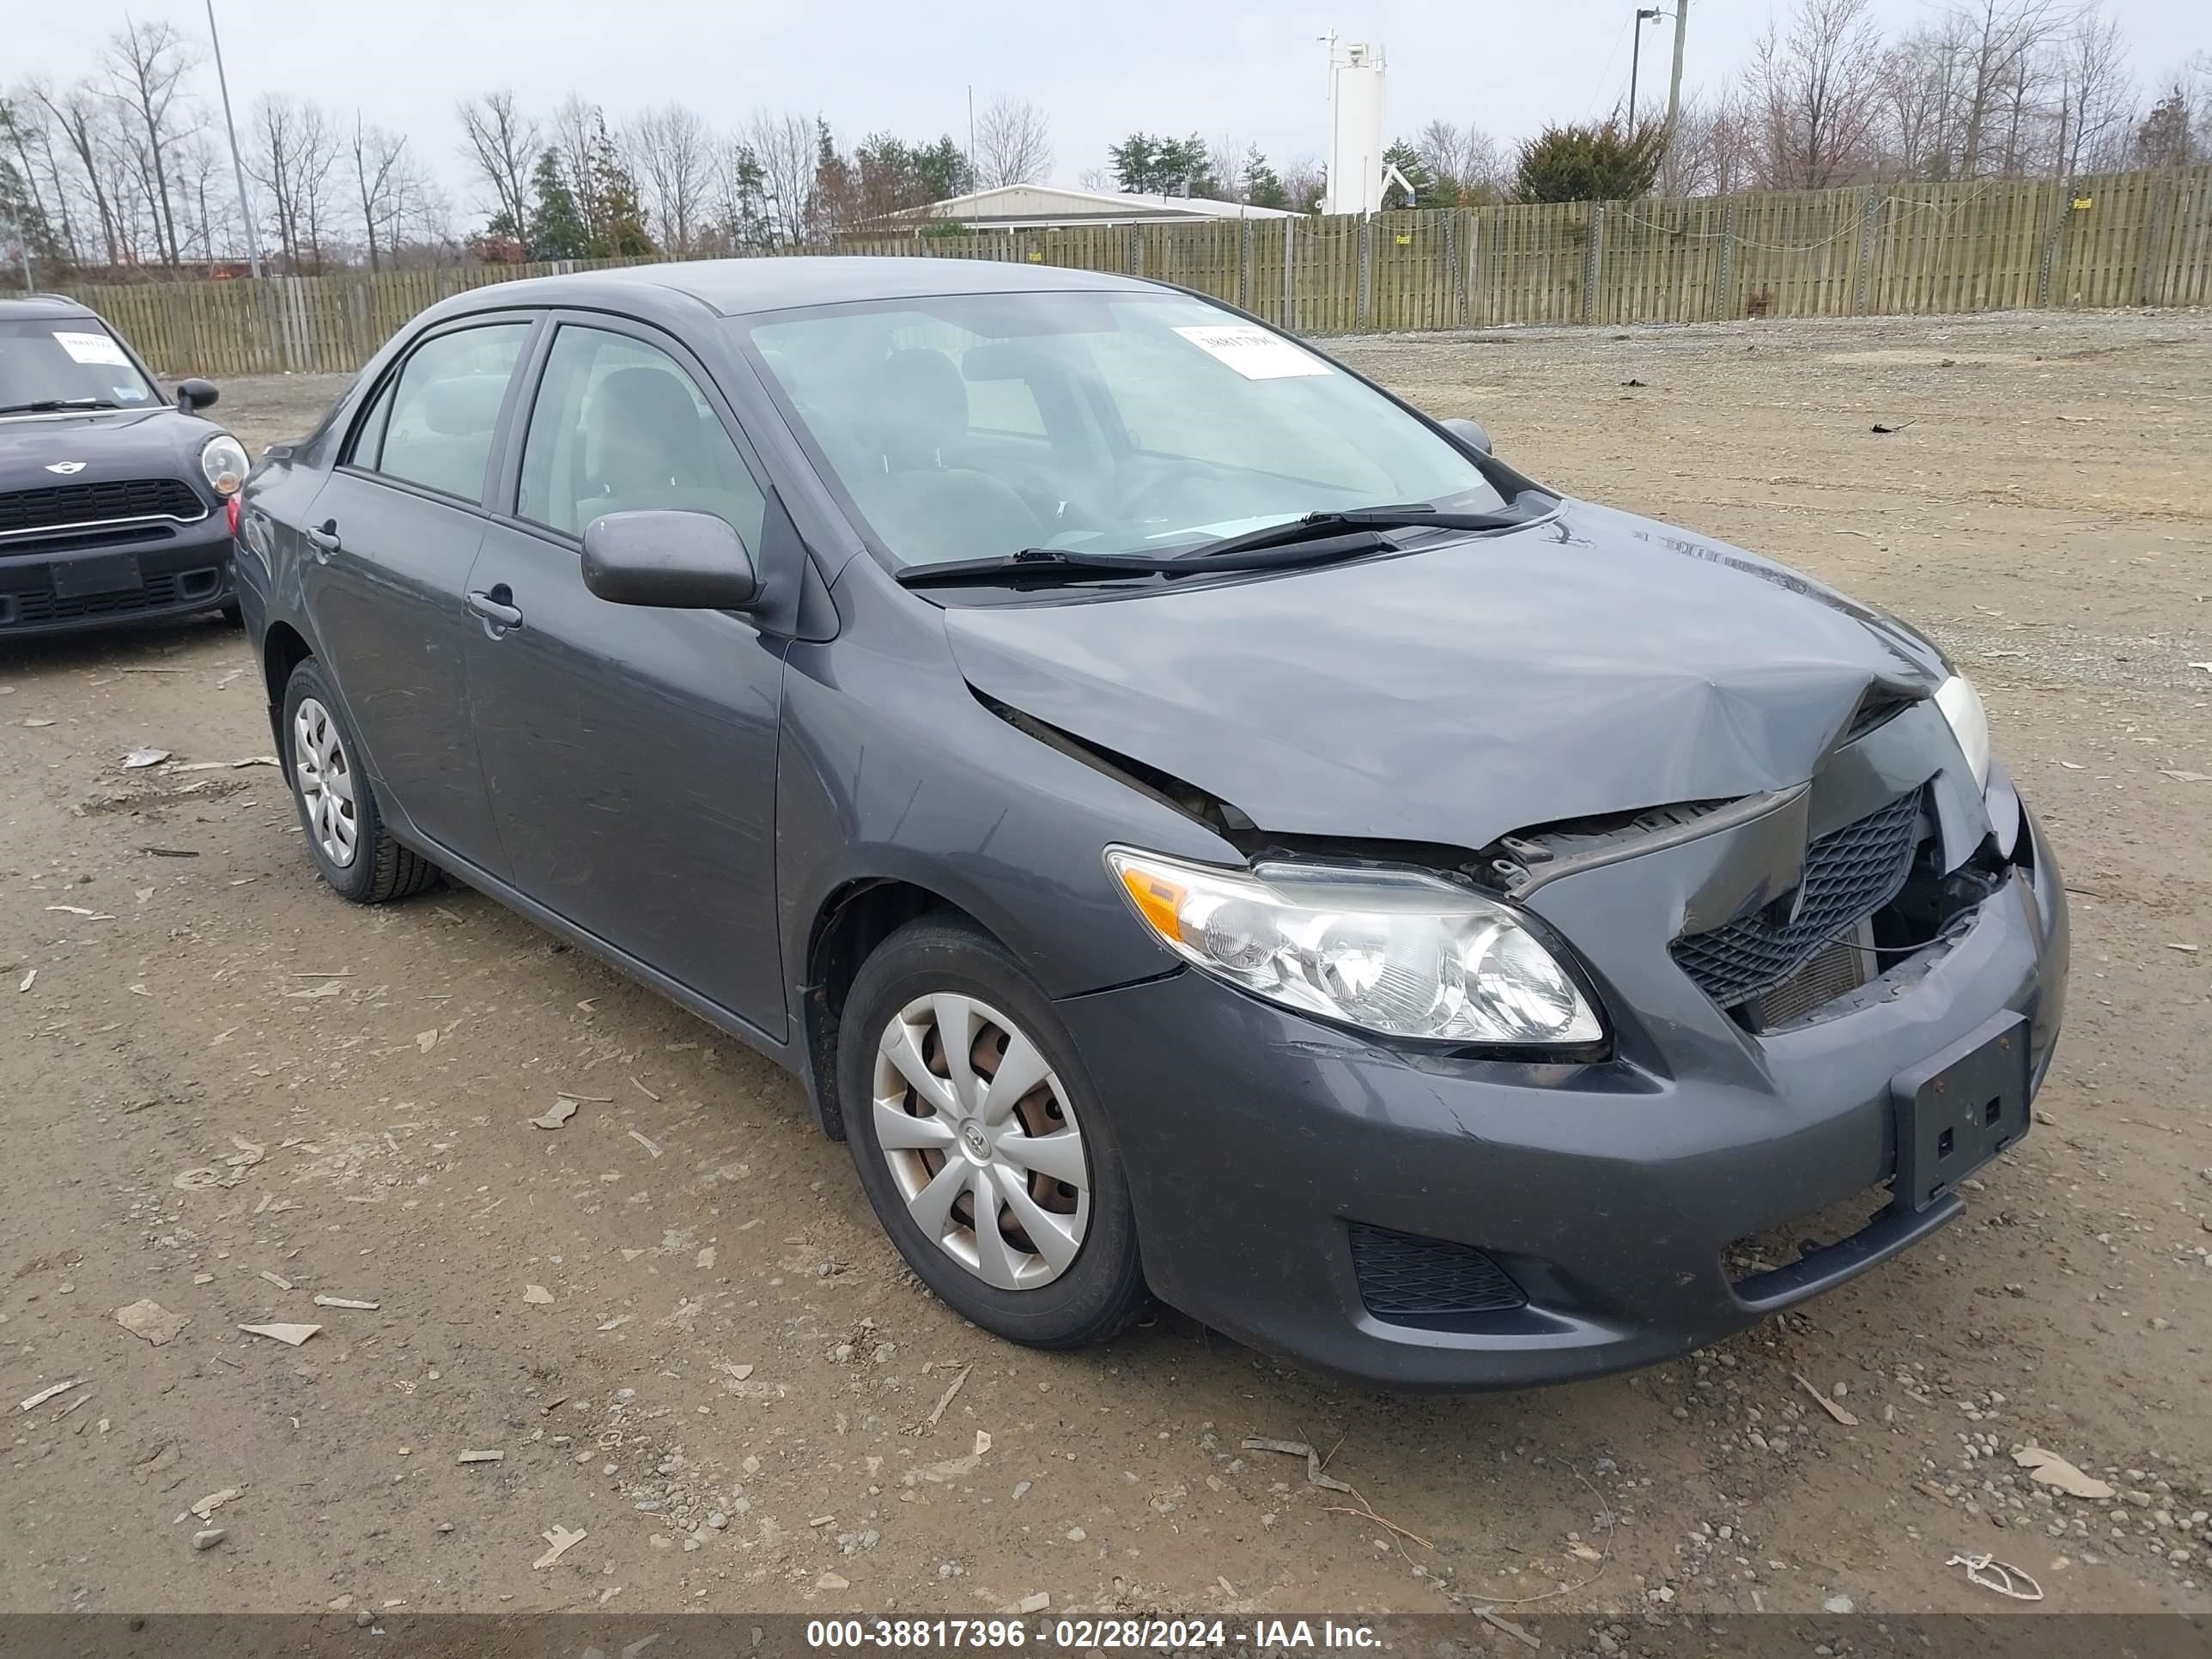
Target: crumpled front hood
<point>1596,663</point>
<point>157,442</point>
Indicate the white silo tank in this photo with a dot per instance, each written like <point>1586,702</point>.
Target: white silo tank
<point>1356,76</point>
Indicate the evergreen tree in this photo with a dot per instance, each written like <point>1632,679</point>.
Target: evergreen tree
<point>614,207</point>
<point>942,171</point>
<point>1162,167</point>
<point>1261,185</point>
<point>1404,157</point>
<point>1590,164</point>
<point>556,228</point>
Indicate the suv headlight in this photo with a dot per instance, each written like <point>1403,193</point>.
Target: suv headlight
<point>1970,723</point>
<point>1398,953</point>
<point>222,459</point>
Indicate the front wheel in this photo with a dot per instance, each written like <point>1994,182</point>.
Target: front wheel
<point>346,837</point>
<point>987,1158</point>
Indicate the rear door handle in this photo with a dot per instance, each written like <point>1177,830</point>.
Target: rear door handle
<point>323,540</point>
<point>494,608</point>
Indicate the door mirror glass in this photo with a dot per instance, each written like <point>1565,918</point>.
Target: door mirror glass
<point>664,557</point>
<point>1469,433</point>
<point>193,396</point>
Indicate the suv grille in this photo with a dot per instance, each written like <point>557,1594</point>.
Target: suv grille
<point>90,503</point>
<point>1402,1273</point>
<point>1850,874</point>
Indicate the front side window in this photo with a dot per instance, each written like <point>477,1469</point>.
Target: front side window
<point>619,427</point>
<point>433,424</point>
<point>67,363</point>
<point>974,426</point>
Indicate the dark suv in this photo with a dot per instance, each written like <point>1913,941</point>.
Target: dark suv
<point>114,502</point>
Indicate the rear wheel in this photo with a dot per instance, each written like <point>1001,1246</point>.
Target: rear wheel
<point>346,837</point>
<point>987,1158</point>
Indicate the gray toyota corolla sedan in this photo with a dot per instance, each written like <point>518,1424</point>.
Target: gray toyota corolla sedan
<point>1194,823</point>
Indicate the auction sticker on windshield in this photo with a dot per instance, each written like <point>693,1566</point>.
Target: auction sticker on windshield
<point>1253,352</point>
<point>92,348</point>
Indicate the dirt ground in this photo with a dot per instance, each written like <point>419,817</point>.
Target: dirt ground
<point>674,1318</point>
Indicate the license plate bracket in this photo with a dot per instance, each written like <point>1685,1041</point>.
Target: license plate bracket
<point>106,572</point>
<point>1960,1110</point>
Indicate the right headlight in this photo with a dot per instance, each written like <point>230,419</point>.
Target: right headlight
<point>1970,723</point>
<point>1400,953</point>
<point>223,464</point>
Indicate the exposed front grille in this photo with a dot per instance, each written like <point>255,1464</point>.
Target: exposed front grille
<point>1404,1273</point>
<point>1829,972</point>
<point>93,503</point>
<point>1850,874</point>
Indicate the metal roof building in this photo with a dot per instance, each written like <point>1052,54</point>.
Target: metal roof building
<point>1039,207</point>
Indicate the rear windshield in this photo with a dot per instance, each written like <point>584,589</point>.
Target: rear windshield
<point>978,425</point>
<point>69,362</point>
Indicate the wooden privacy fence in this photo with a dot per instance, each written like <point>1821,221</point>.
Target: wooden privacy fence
<point>2114,239</point>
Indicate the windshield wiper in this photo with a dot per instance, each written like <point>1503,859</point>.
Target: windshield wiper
<point>1053,564</point>
<point>1411,515</point>
<point>47,405</point>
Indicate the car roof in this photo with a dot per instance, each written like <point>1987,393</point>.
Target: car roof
<point>732,288</point>
<point>37,305</point>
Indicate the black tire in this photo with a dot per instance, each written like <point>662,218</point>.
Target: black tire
<point>379,869</point>
<point>233,613</point>
<point>1102,1289</point>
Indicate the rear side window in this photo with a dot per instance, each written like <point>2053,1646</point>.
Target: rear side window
<point>433,423</point>
<point>619,426</point>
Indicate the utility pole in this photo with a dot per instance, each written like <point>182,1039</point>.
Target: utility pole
<point>1675,80</point>
<point>1644,15</point>
<point>238,167</point>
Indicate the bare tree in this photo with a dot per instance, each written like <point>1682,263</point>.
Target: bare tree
<point>671,151</point>
<point>294,151</point>
<point>785,147</point>
<point>1814,95</point>
<point>146,66</point>
<point>500,143</point>
<point>1716,149</point>
<point>77,114</point>
<point>28,130</point>
<point>206,199</point>
<point>573,134</point>
<point>377,159</point>
<point>1998,42</point>
<point>1467,155</point>
<point>2096,94</point>
<point>1014,145</point>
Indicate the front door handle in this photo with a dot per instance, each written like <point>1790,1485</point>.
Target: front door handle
<point>323,540</point>
<point>499,615</point>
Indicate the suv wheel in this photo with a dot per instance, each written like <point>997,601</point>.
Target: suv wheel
<point>346,836</point>
<point>988,1160</point>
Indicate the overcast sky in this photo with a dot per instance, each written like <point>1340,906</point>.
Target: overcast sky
<point>1251,71</point>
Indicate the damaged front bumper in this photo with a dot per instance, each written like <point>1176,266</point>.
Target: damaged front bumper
<point>1422,1219</point>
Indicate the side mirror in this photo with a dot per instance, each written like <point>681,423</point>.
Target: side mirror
<point>193,396</point>
<point>1469,433</point>
<point>677,560</point>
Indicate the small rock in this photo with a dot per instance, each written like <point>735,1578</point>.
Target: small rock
<point>1838,1604</point>
<point>833,1581</point>
<point>718,1520</point>
<point>209,1538</point>
<point>363,1619</point>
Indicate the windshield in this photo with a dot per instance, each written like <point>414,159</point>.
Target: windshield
<point>976,426</point>
<point>68,359</point>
